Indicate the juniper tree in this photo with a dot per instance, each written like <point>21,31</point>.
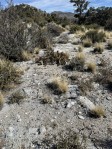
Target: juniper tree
<point>80,5</point>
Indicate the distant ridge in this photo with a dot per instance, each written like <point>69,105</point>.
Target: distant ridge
<point>68,15</point>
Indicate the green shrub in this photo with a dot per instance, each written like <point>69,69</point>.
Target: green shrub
<point>12,37</point>
<point>109,24</point>
<point>75,28</point>
<point>95,36</point>
<point>92,26</point>
<point>53,29</point>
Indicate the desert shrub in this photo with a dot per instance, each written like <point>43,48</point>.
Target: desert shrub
<point>74,28</point>
<point>95,36</point>
<point>92,26</point>
<point>87,42</point>
<point>80,49</point>
<point>109,44</point>
<point>58,85</point>
<point>97,112</point>
<point>1,100</point>
<point>109,24</point>
<point>12,37</point>
<point>17,97</point>
<point>44,39</point>
<point>85,86</point>
<point>53,57</point>
<point>99,48</point>
<point>104,77</point>
<point>71,141</point>
<point>8,73</point>
<point>54,29</point>
<point>78,62</point>
<point>91,67</point>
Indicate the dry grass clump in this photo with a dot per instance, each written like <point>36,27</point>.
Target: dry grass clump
<point>95,36</point>
<point>80,56</point>
<point>80,49</point>
<point>26,55</point>
<point>87,42</point>
<point>47,99</point>
<point>8,73</point>
<point>1,100</point>
<point>36,51</point>
<point>99,48</point>
<point>58,85</point>
<point>17,97</point>
<point>78,62</point>
<point>91,67</point>
<point>98,111</point>
<point>109,45</point>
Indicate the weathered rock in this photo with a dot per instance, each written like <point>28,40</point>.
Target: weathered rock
<point>63,38</point>
<point>86,102</point>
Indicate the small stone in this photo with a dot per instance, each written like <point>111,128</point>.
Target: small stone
<point>68,120</point>
<point>42,130</point>
<point>70,104</point>
<point>109,98</point>
<point>80,112</point>
<point>81,117</point>
<point>18,118</point>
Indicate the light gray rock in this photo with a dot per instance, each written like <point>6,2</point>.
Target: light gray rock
<point>63,38</point>
<point>81,117</point>
<point>70,104</point>
<point>86,102</point>
<point>42,130</point>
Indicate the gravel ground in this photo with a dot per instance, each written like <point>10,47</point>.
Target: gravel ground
<point>30,122</point>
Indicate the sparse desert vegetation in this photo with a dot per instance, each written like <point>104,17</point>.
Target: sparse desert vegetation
<point>1,100</point>
<point>99,48</point>
<point>95,36</point>
<point>91,67</point>
<point>98,111</point>
<point>55,77</point>
<point>16,97</point>
<point>8,73</point>
<point>87,42</point>
<point>58,85</point>
<point>109,44</point>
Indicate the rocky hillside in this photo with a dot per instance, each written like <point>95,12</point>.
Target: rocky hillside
<point>61,97</point>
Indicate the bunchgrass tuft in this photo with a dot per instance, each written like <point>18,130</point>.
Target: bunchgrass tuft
<point>98,111</point>
<point>8,73</point>
<point>58,85</point>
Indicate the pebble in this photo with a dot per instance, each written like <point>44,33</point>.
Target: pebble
<point>81,117</point>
